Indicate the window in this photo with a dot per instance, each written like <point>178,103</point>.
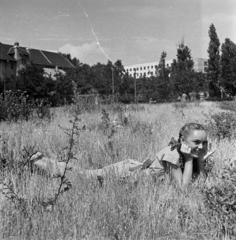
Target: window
<point>144,74</point>
<point>148,67</point>
<point>205,63</point>
<point>151,66</point>
<point>23,61</point>
<point>140,74</point>
<point>144,68</point>
<point>167,65</point>
<point>130,69</point>
<point>136,68</point>
<point>205,69</point>
<point>12,66</point>
<point>140,68</point>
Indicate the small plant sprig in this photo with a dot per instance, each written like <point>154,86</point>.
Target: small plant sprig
<point>72,132</point>
<point>64,182</point>
<point>9,192</point>
<point>179,107</point>
<point>109,130</point>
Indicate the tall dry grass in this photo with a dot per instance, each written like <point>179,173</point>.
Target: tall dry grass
<point>117,210</point>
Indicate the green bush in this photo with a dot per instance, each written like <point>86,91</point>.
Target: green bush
<point>218,99</point>
<point>42,109</point>
<point>221,125</point>
<point>15,106</point>
<point>229,106</point>
<point>220,199</point>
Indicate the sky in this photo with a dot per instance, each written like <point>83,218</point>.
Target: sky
<point>134,31</point>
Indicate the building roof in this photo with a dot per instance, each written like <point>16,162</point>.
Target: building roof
<point>4,48</point>
<point>57,59</point>
<point>22,51</point>
<point>38,57</point>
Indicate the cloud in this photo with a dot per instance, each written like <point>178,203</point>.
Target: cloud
<point>89,53</point>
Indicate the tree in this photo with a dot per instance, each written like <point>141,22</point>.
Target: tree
<point>184,58</point>
<point>228,66</point>
<point>213,61</point>
<point>182,73</point>
<point>163,85</point>
<point>31,79</point>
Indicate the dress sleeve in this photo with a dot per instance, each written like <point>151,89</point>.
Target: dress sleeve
<point>166,155</point>
<point>159,165</point>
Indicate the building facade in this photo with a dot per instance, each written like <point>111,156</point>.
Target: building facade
<point>150,69</point>
<point>13,58</point>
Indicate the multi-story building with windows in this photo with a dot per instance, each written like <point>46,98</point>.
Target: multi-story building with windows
<point>150,69</point>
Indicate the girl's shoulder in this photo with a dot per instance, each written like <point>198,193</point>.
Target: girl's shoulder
<point>170,155</point>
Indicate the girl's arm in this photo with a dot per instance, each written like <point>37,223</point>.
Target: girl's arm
<point>183,179</point>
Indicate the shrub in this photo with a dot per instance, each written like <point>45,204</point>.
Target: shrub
<point>42,109</point>
<point>229,106</point>
<point>14,106</point>
<point>221,125</point>
<point>218,99</point>
<point>220,199</point>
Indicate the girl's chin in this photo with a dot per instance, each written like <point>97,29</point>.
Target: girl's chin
<point>196,155</point>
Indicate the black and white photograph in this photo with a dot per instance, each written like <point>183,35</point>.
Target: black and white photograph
<point>117,119</point>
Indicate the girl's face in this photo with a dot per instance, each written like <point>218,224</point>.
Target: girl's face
<point>197,141</point>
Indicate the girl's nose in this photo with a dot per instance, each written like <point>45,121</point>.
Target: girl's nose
<point>200,146</point>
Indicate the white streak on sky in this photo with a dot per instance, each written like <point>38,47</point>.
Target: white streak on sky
<point>91,27</point>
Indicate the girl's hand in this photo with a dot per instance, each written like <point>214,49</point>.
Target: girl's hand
<point>186,150</point>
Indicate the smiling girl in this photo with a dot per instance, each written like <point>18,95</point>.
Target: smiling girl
<point>182,160</point>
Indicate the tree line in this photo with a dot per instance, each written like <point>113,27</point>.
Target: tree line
<point>110,79</point>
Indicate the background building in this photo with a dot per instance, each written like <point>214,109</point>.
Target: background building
<point>14,58</point>
<point>150,69</point>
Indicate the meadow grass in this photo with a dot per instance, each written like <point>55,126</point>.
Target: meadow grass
<point>150,209</point>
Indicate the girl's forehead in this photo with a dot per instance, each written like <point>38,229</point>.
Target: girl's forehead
<point>197,134</point>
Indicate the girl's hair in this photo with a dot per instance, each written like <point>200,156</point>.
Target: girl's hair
<point>185,131</point>
<point>187,128</point>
